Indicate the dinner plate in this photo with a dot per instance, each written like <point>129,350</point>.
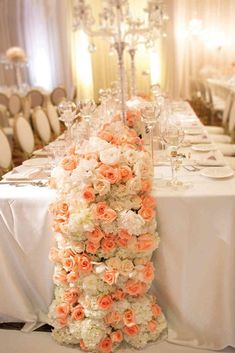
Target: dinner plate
<point>36,162</point>
<point>217,172</point>
<point>203,147</point>
<point>193,131</point>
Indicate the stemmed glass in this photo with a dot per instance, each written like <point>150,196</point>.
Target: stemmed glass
<point>87,108</point>
<point>148,114</point>
<point>173,135</point>
<point>68,112</point>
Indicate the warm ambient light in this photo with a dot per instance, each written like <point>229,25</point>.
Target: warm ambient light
<point>154,67</point>
<point>83,66</point>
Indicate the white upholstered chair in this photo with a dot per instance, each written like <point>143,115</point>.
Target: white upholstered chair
<point>4,100</point>
<point>57,95</point>
<point>53,118</point>
<point>24,135</point>
<point>41,125</point>
<point>14,104</point>
<point>35,97</point>
<point>5,153</point>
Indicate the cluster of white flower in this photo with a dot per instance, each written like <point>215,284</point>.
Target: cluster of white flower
<point>105,227</point>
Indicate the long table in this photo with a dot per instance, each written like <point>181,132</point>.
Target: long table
<point>195,264</point>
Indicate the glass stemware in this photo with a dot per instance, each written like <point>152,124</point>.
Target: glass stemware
<point>87,108</point>
<point>68,112</point>
<point>148,114</point>
<point>173,135</point>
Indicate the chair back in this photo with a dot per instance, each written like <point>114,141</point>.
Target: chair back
<point>4,122</point>
<point>5,152</point>
<point>53,118</point>
<point>14,104</point>
<point>57,95</point>
<point>231,120</point>
<point>26,106</point>
<point>36,98</point>
<point>42,125</point>
<point>227,109</point>
<point>24,134</point>
<point>4,100</point>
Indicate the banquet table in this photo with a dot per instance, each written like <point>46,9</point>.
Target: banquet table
<point>195,264</point>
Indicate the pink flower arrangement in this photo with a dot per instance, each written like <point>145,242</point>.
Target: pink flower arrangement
<point>105,227</point>
<point>16,54</point>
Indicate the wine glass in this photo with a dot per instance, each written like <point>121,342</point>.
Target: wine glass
<point>68,112</point>
<point>87,108</point>
<point>148,114</point>
<point>173,135</point>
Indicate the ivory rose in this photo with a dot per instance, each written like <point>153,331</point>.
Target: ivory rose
<point>110,156</point>
<point>69,163</point>
<point>60,277</point>
<point>101,186</point>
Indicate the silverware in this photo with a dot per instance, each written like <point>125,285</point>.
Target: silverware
<point>24,183</point>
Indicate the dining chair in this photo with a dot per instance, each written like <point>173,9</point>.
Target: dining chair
<point>14,104</point>
<point>4,121</point>
<point>53,119</point>
<point>4,99</point>
<point>35,97</point>
<point>24,135</point>
<point>41,125</point>
<point>58,94</point>
<point>5,154</point>
<point>26,108</point>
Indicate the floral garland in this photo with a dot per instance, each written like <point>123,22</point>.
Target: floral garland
<point>16,54</point>
<point>105,228</point>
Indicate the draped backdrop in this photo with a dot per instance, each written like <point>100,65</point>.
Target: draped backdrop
<point>199,33</point>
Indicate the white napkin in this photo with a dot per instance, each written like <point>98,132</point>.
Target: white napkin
<point>213,158</point>
<point>32,173</point>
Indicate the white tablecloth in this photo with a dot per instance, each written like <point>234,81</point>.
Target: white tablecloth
<point>195,265</point>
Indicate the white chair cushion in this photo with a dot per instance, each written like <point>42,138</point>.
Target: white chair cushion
<point>230,161</point>
<point>5,151</point>
<point>53,119</point>
<point>220,138</point>
<point>24,134</point>
<point>216,130</point>
<point>226,149</point>
<point>42,125</point>
<point>14,104</point>
<point>8,131</point>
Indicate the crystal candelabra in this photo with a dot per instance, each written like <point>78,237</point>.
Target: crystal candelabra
<point>17,66</point>
<point>116,25</point>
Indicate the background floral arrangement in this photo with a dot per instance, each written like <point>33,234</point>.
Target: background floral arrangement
<point>16,54</point>
<point>105,228</point>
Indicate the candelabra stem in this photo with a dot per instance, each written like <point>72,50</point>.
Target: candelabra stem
<point>18,77</point>
<point>132,53</point>
<point>120,46</point>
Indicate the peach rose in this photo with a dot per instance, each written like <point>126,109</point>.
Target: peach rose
<point>69,163</point>
<point>126,266</point>
<point>152,325</point>
<point>110,173</point>
<point>110,277</point>
<point>131,331</point>
<point>68,263</point>
<point>66,253</point>
<point>148,201</point>
<point>62,321</point>
<point>146,185</point>
<point>116,336</point>
<point>92,247</point>
<point>104,135</point>
<point>78,312</point>
<point>105,302</point>
<point>95,236</point>
<point>88,194</point>
<point>109,215</point>
<point>90,156</point>
<point>84,264</point>
<point>128,318</point>
<point>133,287</point>
<point>156,310</point>
<point>145,242</point>
<point>72,276</point>
<point>124,234</point>
<point>105,345</point>
<point>118,295</point>
<point>100,209</point>
<point>71,295</point>
<point>60,208</point>
<point>60,277</point>
<point>126,173</point>
<point>82,345</point>
<point>146,213</point>
<point>122,242</point>
<point>108,244</point>
<point>113,318</point>
<point>148,272</point>
<point>54,255</point>
<point>62,310</point>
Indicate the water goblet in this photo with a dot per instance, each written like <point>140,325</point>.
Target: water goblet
<point>87,108</point>
<point>148,115</point>
<point>68,112</point>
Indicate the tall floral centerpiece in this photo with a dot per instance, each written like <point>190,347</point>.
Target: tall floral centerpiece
<point>105,227</point>
<point>17,59</point>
